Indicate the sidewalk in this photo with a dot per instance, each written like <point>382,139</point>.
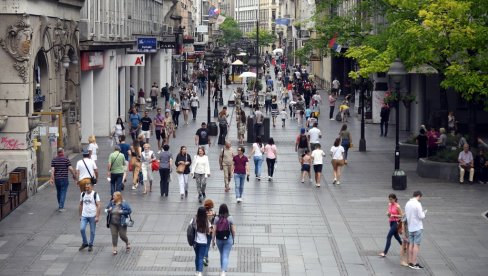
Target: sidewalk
<point>284,227</point>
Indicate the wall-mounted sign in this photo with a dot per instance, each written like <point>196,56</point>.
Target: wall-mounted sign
<point>167,42</point>
<point>134,60</point>
<point>91,60</point>
<point>147,44</point>
<point>202,29</point>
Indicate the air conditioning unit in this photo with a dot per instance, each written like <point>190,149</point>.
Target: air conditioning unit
<point>304,33</point>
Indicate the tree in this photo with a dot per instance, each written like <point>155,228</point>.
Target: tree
<point>266,38</point>
<point>230,30</point>
<point>450,35</point>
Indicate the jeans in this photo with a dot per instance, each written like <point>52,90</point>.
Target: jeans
<point>384,125</point>
<point>239,182</point>
<point>83,222</point>
<point>271,163</point>
<point>62,189</point>
<point>258,161</point>
<point>164,183</point>
<point>224,246</point>
<point>393,232</point>
<point>345,144</point>
<point>223,134</point>
<point>183,181</point>
<point>331,111</point>
<point>200,249</point>
<point>209,240</point>
<point>116,182</point>
<point>194,112</point>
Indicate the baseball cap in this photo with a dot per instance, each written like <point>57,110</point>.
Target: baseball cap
<point>302,130</point>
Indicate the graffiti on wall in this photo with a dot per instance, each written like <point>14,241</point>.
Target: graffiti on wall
<point>11,143</point>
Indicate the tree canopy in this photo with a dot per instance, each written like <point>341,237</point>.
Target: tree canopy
<point>266,38</point>
<point>231,31</point>
<point>449,35</point>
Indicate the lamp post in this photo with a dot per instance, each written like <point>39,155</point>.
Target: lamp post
<point>209,59</point>
<point>362,142</point>
<point>397,74</point>
<point>219,55</point>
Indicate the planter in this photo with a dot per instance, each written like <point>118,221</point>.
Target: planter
<point>408,150</point>
<point>438,170</point>
<point>66,104</point>
<point>3,121</point>
<point>34,121</point>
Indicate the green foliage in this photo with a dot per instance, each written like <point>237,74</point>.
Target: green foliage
<point>446,155</point>
<point>266,38</point>
<point>450,35</point>
<point>231,31</point>
<point>251,83</point>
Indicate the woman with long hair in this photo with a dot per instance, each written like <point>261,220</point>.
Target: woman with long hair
<point>117,131</point>
<point>93,148</point>
<point>169,127</point>
<point>346,139</point>
<point>200,170</point>
<point>185,106</point>
<point>270,151</point>
<point>337,153</point>
<point>183,160</point>
<point>223,125</point>
<point>395,215</point>
<point>225,237</point>
<point>257,154</point>
<point>147,158</point>
<point>200,246</point>
<point>135,153</point>
<point>118,210</point>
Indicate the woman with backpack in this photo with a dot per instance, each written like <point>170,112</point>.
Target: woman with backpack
<point>200,245</point>
<point>223,235</point>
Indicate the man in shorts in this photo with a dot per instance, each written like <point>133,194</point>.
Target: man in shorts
<point>146,126</point>
<point>159,127</point>
<point>414,215</point>
<point>317,161</point>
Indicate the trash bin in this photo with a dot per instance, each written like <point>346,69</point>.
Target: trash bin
<point>264,131</point>
<point>399,180</point>
<point>213,129</point>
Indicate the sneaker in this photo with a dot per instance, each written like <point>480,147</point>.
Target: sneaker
<point>159,151</point>
<point>332,119</point>
<point>205,261</point>
<point>403,264</point>
<point>334,182</point>
<point>418,266</point>
<point>238,200</point>
<point>317,185</point>
<point>259,178</point>
<point>412,266</point>
<point>338,183</point>
<point>303,180</point>
<point>222,273</point>
<point>270,178</point>
<point>134,187</point>
<point>61,210</point>
<point>90,248</point>
<point>83,246</point>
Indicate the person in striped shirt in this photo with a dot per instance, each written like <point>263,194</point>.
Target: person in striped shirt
<point>60,166</point>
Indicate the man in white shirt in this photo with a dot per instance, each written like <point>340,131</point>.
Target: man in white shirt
<point>335,86</point>
<point>466,162</point>
<point>317,161</point>
<point>85,170</point>
<point>414,215</point>
<point>89,214</point>
<point>314,135</point>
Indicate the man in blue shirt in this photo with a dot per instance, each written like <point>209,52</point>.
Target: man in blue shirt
<point>135,123</point>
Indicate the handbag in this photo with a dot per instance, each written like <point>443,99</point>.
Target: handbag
<point>93,180</point>
<point>128,221</point>
<point>181,167</point>
<point>155,165</point>
<point>350,145</point>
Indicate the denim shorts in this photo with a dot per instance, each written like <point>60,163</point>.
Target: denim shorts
<point>415,237</point>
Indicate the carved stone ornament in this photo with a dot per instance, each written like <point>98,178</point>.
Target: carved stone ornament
<point>17,44</point>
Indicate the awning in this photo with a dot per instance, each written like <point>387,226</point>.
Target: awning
<point>424,69</point>
<point>237,62</point>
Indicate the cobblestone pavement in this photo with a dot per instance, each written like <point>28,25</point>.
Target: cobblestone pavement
<point>284,227</point>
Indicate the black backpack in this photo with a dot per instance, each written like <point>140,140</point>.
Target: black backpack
<point>191,232</point>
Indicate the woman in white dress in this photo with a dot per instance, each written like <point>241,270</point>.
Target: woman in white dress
<point>147,157</point>
<point>93,148</point>
<point>117,131</point>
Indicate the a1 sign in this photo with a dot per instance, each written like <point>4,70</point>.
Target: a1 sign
<point>134,60</point>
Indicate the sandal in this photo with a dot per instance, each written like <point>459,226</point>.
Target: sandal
<point>114,252</point>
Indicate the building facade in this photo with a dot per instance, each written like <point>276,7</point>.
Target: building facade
<point>39,85</point>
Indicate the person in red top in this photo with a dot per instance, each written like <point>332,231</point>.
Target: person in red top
<point>241,170</point>
<point>394,216</point>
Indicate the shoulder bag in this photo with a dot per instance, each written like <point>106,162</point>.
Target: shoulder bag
<point>181,167</point>
<point>93,180</point>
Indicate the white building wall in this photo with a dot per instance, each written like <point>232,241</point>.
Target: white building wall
<point>87,98</point>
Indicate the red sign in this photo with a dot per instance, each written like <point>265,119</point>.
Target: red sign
<point>91,60</point>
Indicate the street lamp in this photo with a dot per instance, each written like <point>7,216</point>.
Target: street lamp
<point>209,59</point>
<point>362,85</point>
<point>397,74</point>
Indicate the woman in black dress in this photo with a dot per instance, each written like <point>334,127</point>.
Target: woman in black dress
<point>422,144</point>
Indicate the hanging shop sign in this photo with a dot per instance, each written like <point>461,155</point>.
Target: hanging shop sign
<point>147,44</point>
<point>167,42</point>
<point>134,60</point>
<point>91,60</point>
